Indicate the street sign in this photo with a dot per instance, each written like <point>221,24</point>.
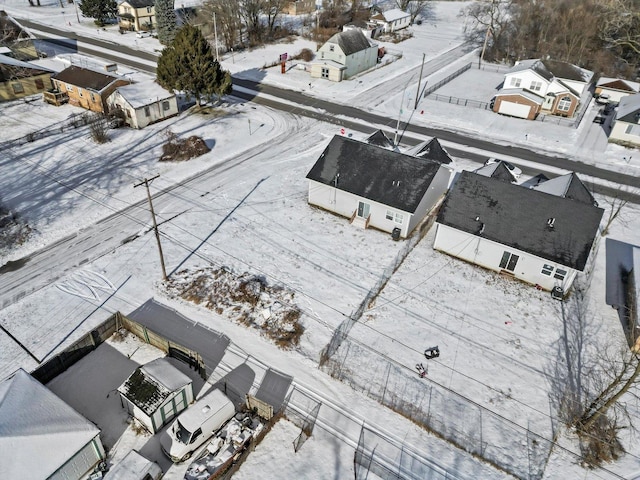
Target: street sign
<point>283,57</point>
<point>342,131</point>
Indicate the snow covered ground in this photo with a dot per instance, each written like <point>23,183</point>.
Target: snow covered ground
<point>497,337</point>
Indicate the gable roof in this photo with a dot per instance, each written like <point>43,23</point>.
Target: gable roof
<point>139,3</point>
<point>432,150</point>
<point>618,84</point>
<point>85,78</point>
<point>391,15</point>
<point>628,108</point>
<point>350,41</point>
<point>380,139</point>
<point>11,68</point>
<point>497,170</point>
<point>534,97</point>
<point>150,385</point>
<point>567,186</point>
<point>142,94</point>
<point>550,69</point>
<point>384,176</point>
<point>533,181</point>
<point>39,432</point>
<point>517,217</point>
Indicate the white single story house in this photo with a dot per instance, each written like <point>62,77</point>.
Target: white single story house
<point>625,126</point>
<point>143,103</point>
<point>542,86</point>
<point>375,186</point>
<point>616,88</point>
<point>392,20</point>
<point>134,467</point>
<point>41,437</point>
<point>155,393</point>
<point>344,55</point>
<point>541,235</point>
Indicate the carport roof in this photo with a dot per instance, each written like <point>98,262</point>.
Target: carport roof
<point>39,433</point>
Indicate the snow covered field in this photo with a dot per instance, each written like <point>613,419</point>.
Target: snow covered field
<point>497,337</point>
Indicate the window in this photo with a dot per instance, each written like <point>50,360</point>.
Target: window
<point>17,87</point>
<point>509,261</point>
<point>149,9</point>
<point>69,88</point>
<point>39,84</point>
<point>396,217</point>
<point>147,113</point>
<point>325,73</point>
<point>535,86</point>
<point>195,435</point>
<point>165,105</point>
<point>515,82</point>
<point>564,104</point>
<point>547,269</point>
<point>560,274</point>
<point>80,92</point>
<point>399,218</point>
<point>389,215</point>
<point>93,97</point>
<point>633,130</point>
<point>331,48</point>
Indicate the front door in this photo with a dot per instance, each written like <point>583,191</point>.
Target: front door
<point>509,261</point>
<point>363,209</point>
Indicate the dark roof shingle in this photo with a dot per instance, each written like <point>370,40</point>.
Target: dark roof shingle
<point>84,78</point>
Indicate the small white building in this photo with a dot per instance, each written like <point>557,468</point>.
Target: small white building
<point>375,186</point>
<point>143,103</point>
<point>542,235</point>
<point>344,55</point>
<point>155,393</point>
<point>41,437</point>
<point>392,20</point>
<point>616,88</point>
<point>625,126</point>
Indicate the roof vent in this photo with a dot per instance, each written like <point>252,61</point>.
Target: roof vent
<point>551,222</point>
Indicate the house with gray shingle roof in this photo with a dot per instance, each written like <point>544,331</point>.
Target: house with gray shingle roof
<point>155,393</point>
<point>392,20</point>
<point>625,126</point>
<point>616,88</point>
<point>344,55</point>
<point>542,86</point>
<point>541,237</point>
<point>376,187</point>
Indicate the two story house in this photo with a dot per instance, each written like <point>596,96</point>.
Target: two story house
<point>138,15</point>
<point>344,55</point>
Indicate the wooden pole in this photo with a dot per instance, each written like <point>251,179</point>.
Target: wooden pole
<point>145,182</point>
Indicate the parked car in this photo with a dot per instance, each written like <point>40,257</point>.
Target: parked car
<point>599,119</point>
<point>143,34</point>
<point>515,171</point>
<point>603,98</point>
<point>610,107</point>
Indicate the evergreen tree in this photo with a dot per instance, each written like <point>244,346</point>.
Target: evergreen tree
<point>101,10</point>
<point>165,21</point>
<point>189,65</point>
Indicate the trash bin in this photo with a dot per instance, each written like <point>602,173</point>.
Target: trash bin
<point>557,293</point>
<point>395,234</point>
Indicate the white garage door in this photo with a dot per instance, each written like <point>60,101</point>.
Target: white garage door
<point>514,109</point>
<point>79,465</point>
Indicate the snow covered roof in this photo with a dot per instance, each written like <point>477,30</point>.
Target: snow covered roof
<point>150,385</point>
<point>618,84</point>
<point>628,107</point>
<point>145,93</point>
<point>380,139</point>
<point>432,150</point>
<point>330,63</point>
<point>567,186</point>
<point>550,69</point>
<point>518,217</point>
<point>522,92</point>
<point>39,432</point>
<point>497,170</point>
<point>393,15</point>
<point>384,176</point>
<point>350,41</point>
<point>133,467</point>
<point>12,68</point>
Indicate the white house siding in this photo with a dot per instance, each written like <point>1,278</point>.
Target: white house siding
<point>614,95</point>
<point>437,189</point>
<point>344,203</point>
<point>526,78</point>
<point>398,24</point>
<point>325,53</point>
<point>81,463</point>
<point>156,112</point>
<point>488,254</point>
<point>335,73</point>
<point>361,61</point>
<point>575,85</point>
<point>619,133</point>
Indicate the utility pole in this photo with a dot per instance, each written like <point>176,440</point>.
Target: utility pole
<point>484,46</point>
<point>146,182</point>
<point>215,33</point>
<point>419,78</point>
<point>77,15</point>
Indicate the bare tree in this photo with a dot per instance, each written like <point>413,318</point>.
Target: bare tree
<point>415,8</point>
<point>492,18</point>
<point>613,207</point>
<point>228,23</point>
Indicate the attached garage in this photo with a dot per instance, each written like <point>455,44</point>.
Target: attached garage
<point>518,103</point>
<point>156,393</point>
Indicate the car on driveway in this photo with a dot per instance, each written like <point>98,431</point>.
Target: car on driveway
<point>610,107</point>
<point>603,98</point>
<point>599,119</point>
<point>515,171</point>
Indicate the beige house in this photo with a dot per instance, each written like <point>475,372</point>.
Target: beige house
<point>138,15</point>
<point>625,126</point>
<point>344,55</point>
<point>83,88</point>
<point>300,7</point>
<point>20,79</point>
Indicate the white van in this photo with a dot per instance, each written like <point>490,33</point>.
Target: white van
<point>195,425</point>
